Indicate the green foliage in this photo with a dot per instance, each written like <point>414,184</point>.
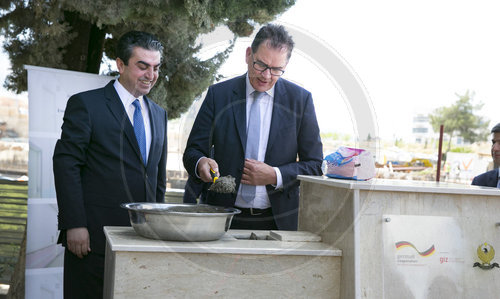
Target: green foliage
<point>461,150</point>
<point>335,136</point>
<point>69,34</point>
<point>399,142</point>
<point>329,135</point>
<point>460,119</point>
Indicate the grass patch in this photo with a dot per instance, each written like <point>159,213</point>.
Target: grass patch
<point>12,227</point>
<point>13,214</point>
<point>13,191</point>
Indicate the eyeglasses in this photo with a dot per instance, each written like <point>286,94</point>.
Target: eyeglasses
<point>262,67</point>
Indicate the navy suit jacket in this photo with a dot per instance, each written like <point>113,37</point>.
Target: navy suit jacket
<point>98,165</point>
<point>294,144</point>
<point>488,179</point>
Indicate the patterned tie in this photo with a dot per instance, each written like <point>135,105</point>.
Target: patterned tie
<point>252,146</point>
<point>139,131</point>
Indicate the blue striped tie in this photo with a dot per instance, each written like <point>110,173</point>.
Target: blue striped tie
<point>252,146</point>
<point>139,131</point>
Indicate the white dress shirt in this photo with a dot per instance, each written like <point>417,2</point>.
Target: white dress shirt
<point>261,200</point>
<point>127,99</point>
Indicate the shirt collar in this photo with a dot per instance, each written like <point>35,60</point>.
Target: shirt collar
<point>250,89</point>
<point>126,97</point>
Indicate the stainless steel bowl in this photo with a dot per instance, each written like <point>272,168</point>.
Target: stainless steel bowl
<point>179,222</point>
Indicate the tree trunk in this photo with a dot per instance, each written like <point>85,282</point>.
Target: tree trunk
<point>96,47</point>
<point>84,52</point>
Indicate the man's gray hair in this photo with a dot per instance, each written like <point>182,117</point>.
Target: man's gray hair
<point>278,38</point>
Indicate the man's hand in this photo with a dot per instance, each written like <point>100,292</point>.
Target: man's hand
<point>204,169</point>
<point>258,173</point>
<point>78,241</point>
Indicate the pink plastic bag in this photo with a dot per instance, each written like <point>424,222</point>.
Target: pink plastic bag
<point>350,163</point>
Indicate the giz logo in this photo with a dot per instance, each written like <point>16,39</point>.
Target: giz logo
<point>443,259</point>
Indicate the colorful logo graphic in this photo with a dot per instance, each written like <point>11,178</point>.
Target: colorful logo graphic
<point>427,253</point>
<point>486,253</point>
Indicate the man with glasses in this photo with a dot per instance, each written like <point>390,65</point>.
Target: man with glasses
<point>491,178</point>
<point>263,131</point>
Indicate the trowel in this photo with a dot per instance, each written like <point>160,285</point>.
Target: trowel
<point>223,184</point>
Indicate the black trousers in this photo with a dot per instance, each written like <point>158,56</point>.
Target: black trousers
<point>83,278</point>
<point>259,219</point>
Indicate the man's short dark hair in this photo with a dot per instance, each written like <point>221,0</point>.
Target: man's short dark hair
<point>132,39</point>
<point>496,129</point>
<point>278,38</point>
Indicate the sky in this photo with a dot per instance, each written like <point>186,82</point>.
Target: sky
<point>409,57</point>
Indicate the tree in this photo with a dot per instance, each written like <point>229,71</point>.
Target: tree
<point>460,119</point>
<point>75,34</point>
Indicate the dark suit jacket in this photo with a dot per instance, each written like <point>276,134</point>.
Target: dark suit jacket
<point>193,190</point>
<point>294,132</point>
<point>98,166</point>
<point>488,179</point>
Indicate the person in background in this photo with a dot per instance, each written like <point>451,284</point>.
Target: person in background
<point>263,131</point>
<point>490,178</point>
<point>112,150</point>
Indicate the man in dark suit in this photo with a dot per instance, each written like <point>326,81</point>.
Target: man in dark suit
<point>490,178</point>
<point>112,150</point>
<point>264,156</point>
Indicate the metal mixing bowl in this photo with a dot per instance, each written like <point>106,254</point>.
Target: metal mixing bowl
<point>180,222</point>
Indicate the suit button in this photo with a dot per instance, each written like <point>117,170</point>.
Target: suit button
<point>146,176</point>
